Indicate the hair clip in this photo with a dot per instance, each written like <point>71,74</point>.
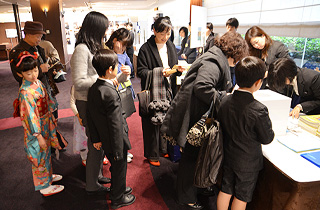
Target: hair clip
<point>26,54</point>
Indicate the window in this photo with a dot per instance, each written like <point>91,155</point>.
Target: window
<point>304,51</point>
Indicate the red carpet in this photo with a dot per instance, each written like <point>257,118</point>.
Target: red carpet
<point>11,122</point>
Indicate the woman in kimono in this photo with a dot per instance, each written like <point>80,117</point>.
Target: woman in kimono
<point>35,109</point>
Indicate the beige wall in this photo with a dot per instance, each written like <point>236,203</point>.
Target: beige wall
<point>3,37</point>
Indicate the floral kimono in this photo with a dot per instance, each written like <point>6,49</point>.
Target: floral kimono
<point>36,115</point>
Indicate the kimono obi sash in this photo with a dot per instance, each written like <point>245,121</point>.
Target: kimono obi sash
<point>42,104</point>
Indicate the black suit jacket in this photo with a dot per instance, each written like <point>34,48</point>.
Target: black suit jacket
<point>209,42</point>
<point>106,119</point>
<point>276,50</point>
<point>245,125</point>
<point>191,53</point>
<point>309,90</point>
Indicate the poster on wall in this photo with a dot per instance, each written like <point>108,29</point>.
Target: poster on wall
<point>11,33</point>
<point>198,26</point>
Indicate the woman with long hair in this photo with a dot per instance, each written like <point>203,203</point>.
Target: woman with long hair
<point>89,40</point>
<point>262,46</point>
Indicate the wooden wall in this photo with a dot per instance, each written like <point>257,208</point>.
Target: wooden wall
<point>3,37</point>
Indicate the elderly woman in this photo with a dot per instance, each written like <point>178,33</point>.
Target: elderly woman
<point>208,75</point>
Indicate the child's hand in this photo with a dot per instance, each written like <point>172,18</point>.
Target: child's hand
<point>42,142</point>
<point>125,69</point>
<point>97,145</point>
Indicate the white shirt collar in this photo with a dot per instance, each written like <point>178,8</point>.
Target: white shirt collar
<point>107,80</point>
<point>294,83</point>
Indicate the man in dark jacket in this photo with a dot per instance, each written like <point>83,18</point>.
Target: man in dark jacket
<point>33,33</point>
<point>305,84</point>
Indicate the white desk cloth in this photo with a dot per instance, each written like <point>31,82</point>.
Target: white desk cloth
<point>290,162</point>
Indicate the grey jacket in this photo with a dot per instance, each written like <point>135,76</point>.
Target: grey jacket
<point>82,71</point>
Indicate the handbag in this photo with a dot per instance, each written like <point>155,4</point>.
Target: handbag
<point>210,156</point>
<point>127,101</point>
<point>145,98</point>
<point>199,130</point>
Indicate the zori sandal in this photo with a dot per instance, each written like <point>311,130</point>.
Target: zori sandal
<point>51,190</point>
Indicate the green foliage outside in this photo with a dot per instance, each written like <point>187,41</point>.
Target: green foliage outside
<point>296,46</point>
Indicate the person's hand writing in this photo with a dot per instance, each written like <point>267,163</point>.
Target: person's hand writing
<point>42,142</point>
<point>44,67</point>
<point>125,69</point>
<point>97,145</point>
<point>295,112</point>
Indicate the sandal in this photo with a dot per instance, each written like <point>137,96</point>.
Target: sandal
<point>56,177</point>
<point>51,190</point>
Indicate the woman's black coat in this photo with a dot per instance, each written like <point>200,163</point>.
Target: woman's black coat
<point>149,58</point>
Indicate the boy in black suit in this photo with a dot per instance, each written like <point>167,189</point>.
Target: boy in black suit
<point>246,125</point>
<point>108,127</point>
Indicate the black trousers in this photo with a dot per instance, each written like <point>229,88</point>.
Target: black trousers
<point>118,171</point>
<point>186,192</point>
<point>153,143</point>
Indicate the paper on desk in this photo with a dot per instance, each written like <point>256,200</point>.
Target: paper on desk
<point>300,142</point>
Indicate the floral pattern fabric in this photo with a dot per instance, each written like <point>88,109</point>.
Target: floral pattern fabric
<point>36,108</point>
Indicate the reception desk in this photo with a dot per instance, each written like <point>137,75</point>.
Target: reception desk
<point>287,182</point>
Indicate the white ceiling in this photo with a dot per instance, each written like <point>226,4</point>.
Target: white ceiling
<point>24,5</point>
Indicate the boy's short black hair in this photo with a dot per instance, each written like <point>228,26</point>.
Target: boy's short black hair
<point>233,22</point>
<point>249,70</point>
<point>280,70</point>
<point>103,59</point>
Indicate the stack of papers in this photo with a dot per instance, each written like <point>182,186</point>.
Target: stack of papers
<point>310,123</point>
<point>300,142</point>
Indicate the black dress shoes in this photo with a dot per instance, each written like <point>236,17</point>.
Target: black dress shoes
<point>127,191</point>
<point>100,191</point>
<point>104,180</point>
<point>126,200</point>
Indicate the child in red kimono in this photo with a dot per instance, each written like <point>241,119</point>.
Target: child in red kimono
<point>35,108</point>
